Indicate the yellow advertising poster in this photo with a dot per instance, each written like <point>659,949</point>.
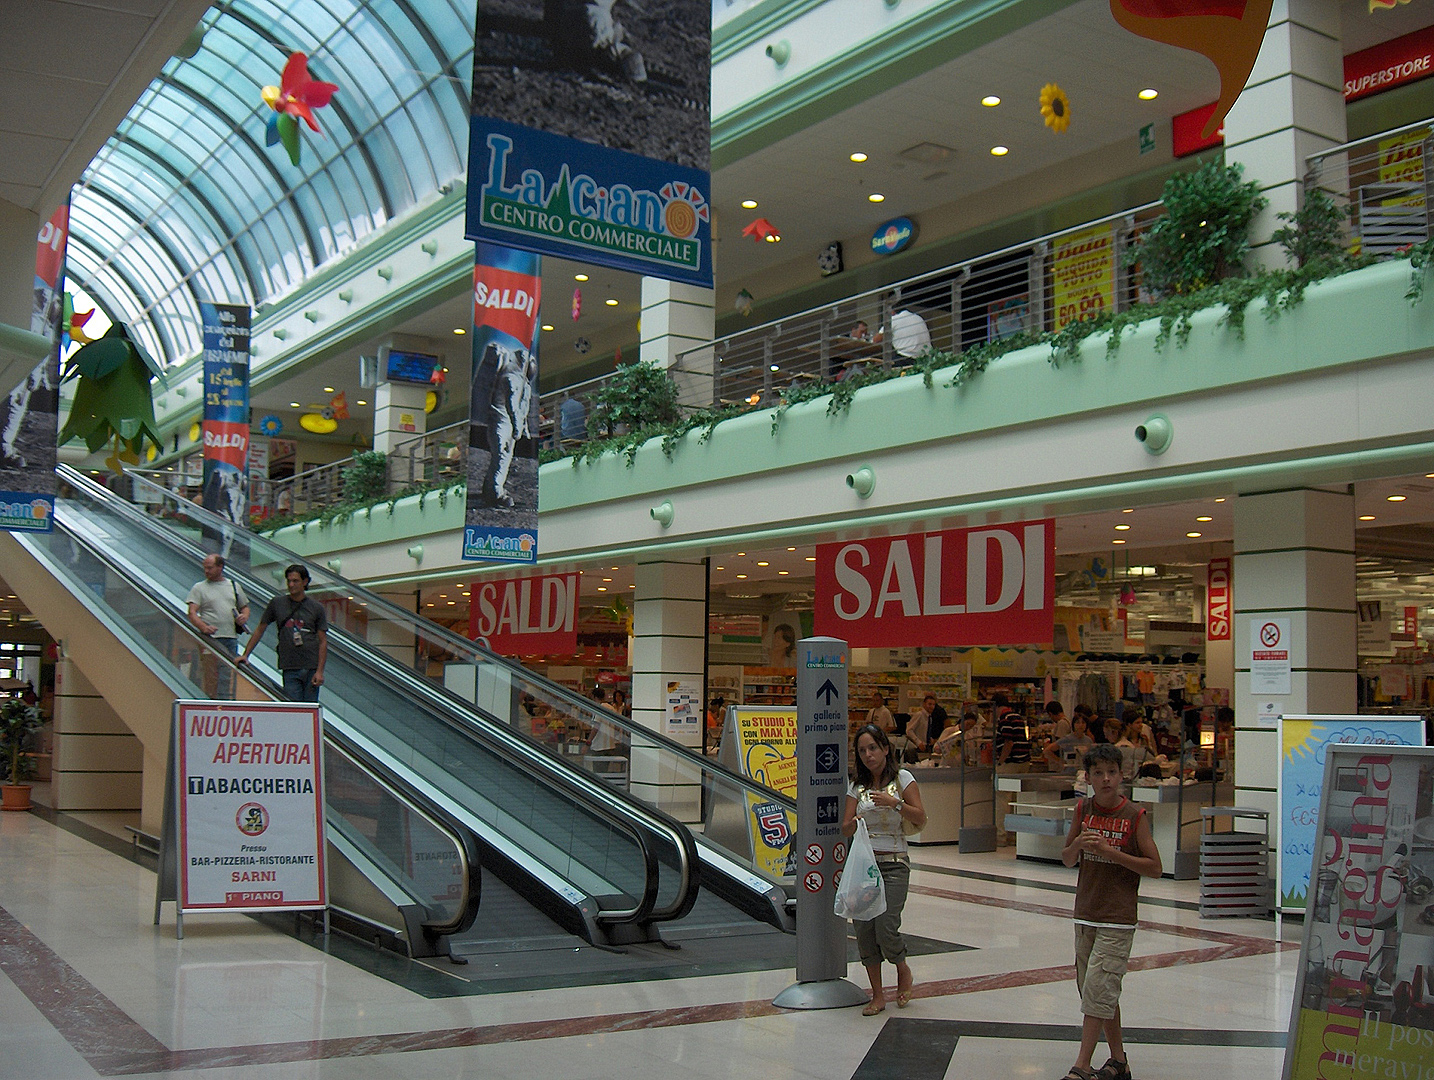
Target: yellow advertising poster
<point>1401,161</point>
<point>1083,273</point>
<point>767,744</point>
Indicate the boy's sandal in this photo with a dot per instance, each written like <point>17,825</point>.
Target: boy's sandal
<point>1114,1070</point>
<point>874,1007</point>
<point>1079,1073</point>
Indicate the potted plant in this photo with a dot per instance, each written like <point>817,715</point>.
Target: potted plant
<point>18,723</point>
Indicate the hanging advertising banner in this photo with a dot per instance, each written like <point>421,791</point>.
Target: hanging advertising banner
<point>1364,1003</point>
<point>525,616</point>
<point>1304,744</point>
<point>1083,274</point>
<point>501,518</point>
<point>226,410</point>
<point>590,136</point>
<point>1218,598</point>
<point>29,425</point>
<point>962,587</point>
<point>249,791</point>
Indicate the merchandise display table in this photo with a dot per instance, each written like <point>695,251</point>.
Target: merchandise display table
<point>943,793</point>
<point>1041,809</point>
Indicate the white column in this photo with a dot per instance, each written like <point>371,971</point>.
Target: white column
<point>1292,106</point>
<point>98,763</point>
<point>669,645</point>
<point>19,231</point>
<point>1294,559</point>
<point>676,319</point>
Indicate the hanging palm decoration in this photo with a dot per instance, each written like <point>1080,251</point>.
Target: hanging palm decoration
<point>112,403</point>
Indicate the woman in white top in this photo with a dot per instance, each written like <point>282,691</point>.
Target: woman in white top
<point>887,799</point>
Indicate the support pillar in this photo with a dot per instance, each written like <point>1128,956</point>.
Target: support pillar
<point>677,318</point>
<point>19,229</point>
<point>1292,106</point>
<point>1294,559</point>
<point>98,762</point>
<point>669,645</point>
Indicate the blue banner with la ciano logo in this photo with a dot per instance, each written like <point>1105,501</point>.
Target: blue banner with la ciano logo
<point>560,196</point>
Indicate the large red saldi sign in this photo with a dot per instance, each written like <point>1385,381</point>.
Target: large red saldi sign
<point>523,615</point>
<point>993,585</point>
<point>1217,600</point>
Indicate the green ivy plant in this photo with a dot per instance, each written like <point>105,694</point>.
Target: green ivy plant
<point>366,476</point>
<point>638,395</point>
<point>1205,233</point>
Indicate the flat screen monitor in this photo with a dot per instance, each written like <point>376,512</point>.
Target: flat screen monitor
<point>409,367</point>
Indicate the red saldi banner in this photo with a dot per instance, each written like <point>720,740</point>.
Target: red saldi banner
<point>1217,600</point>
<point>989,586</point>
<point>519,616</point>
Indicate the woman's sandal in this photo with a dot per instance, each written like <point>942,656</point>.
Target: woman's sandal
<point>903,997</point>
<point>874,1007</point>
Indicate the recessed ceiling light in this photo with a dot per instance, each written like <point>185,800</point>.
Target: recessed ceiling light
<point>459,331</point>
<point>328,389</point>
<point>1122,528</point>
<point>858,157</point>
<point>791,549</point>
<point>1117,541</point>
<point>1131,510</point>
<point>360,401</point>
<point>614,567</point>
<point>294,405</point>
<point>602,588</point>
<point>610,302</point>
<point>547,326</point>
<point>720,568</point>
<point>1148,94</point>
<point>1429,476</point>
<point>811,558</point>
<point>740,554</point>
<point>1395,498</point>
<point>1366,517</point>
<point>1204,517</point>
<point>990,101</point>
<point>749,204</point>
<point>1219,500</point>
<point>452,602</point>
<point>876,196</point>
<point>783,573</point>
<point>1193,535</point>
<point>999,151</point>
<point>741,577</point>
<point>580,277</point>
<point>607,579</point>
<point>763,562</point>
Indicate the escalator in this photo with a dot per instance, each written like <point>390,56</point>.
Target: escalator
<point>402,871</point>
<point>614,862</point>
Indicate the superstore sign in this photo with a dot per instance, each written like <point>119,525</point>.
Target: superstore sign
<point>249,788</point>
<point>961,587</point>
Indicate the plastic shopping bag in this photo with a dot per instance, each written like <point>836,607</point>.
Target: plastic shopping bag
<point>861,895</point>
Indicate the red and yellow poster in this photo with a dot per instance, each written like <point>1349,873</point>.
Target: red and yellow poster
<point>1083,274</point>
<point>1401,161</point>
<point>767,745</point>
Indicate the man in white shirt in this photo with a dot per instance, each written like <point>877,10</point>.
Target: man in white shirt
<point>880,715</point>
<point>219,610</point>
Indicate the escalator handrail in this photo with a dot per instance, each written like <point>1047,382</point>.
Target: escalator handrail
<point>592,794</point>
<point>458,834</point>
<point>456,643</point>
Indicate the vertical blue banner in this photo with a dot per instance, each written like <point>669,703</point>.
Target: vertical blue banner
<point>501,518</point>
<point>226,410</point>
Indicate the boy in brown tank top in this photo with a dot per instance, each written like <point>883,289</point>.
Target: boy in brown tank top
<point>1110,839</point>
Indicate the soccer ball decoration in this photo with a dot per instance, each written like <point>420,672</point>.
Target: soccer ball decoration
<point>829,261</point>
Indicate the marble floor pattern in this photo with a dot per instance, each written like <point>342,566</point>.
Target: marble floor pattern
<point>88,987</point>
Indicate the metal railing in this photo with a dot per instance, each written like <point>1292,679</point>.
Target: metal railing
<point>1382,184</point>
<point>1032,287</point>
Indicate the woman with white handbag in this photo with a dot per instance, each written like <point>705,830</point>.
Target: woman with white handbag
<point>886,798</point>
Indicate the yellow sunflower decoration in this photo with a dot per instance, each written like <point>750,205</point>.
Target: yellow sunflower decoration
<point>1055,107</point>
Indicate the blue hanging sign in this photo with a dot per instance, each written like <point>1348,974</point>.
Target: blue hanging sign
<point>893,236</point>
<point>559,196</point>
<point>226,410</point>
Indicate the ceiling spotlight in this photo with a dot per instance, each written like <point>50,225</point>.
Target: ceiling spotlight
<point>719,568</point>
<point>776,367</point>
<point>999,151</point>
<point>858,157</point>
<point>328,389</point>
<point>876,196</point>
<point>294,405</point>
<point>1129,511</point>
<point>783,573</point>
<point>990,101</point>
<point>791,549</point>
<point>1148,94</point>
<point>547,326</point>
<point>459,331</point>
<point>602,588</point>
<point>610,302</point>
<point>749,204</point>
<point>1204,517</point>
<point>811,558</point>
<point>740,554</point>
<point>1219,500</point>
<point>1117,541</point>
<point>1366,517</point>
<point>1395,498</point>
<point>580,277</point>
<point>1193,535</point>
<point>361,402</point>
<point>1122,528</point>
<point>741,577</point>
<point>763,563</point>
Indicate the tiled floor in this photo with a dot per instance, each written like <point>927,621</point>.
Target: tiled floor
<point>89,987</point>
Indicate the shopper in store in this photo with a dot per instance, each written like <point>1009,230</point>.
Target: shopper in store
<point>879,714</point>
<point>1066,753</point>
<point>303,630</point>
<point>918,727</point>
<point>1110,841</point>
<point>1056,718</point>
<point>1013,739</point>
<point>887,798</point>
<point>219,610</point>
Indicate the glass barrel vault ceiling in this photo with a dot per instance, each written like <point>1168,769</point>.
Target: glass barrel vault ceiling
<point>185,202</point>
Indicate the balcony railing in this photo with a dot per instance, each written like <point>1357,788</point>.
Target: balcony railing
<point>1382,184</point>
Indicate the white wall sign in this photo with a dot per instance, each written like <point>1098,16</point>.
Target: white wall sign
<point>684,709</point>
<point>250,796</point>
<point>1269,656</point>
